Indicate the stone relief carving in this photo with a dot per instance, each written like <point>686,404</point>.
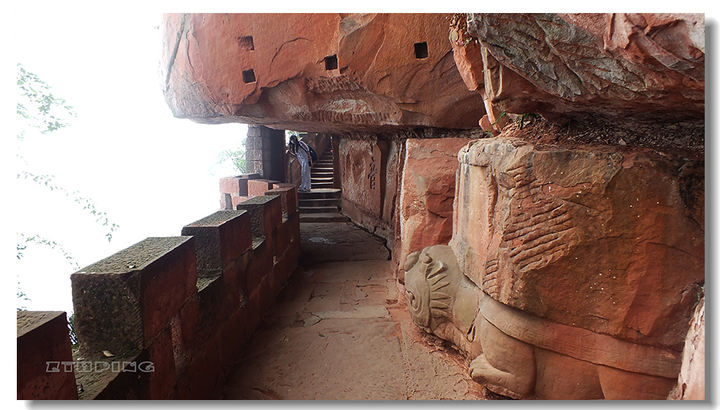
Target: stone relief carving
<point>587,237</point>
<point>520,355</point>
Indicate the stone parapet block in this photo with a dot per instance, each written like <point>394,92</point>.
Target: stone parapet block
<point>129,381</point>
<point>122,302</point>
<point>42,346</point>
<point>260,263</point>
<point>237,185</point>
<point>289,198</point>
<point>220,238</point>
<point>257,187</point>
<point>285,234</point>
<point>265,214</point>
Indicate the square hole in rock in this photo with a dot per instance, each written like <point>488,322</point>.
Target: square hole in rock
<point>246,43</point>
<point>249,76</point>
<point>331,62</point>
<point>421,50</point>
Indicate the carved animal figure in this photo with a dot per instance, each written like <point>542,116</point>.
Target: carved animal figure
<point>522,356</point>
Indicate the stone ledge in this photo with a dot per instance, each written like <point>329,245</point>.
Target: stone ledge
<point>43,344</point>
<point>123,301</point>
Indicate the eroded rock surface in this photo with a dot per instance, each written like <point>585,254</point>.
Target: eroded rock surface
<point>607,240</point>
<point>639,66</point>
<point>523,356</point>
<point>691,381</point>
<point>428,191</point>
<point>315,72</point>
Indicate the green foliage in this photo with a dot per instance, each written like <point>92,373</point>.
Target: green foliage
<point>23,242</point>
<point>38,106</point>
<point>71,328</point>
<point>21,296</point>
<point>498,118</point>
<point>235,157</point>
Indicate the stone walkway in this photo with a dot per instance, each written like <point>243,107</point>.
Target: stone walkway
<point>340,330</point>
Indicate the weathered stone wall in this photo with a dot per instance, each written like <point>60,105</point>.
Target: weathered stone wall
<point>185,305</point>
<point>44,358</point>
<point>315,72</point>
<point>369,170</point>
<point>691,380</point>
<point>426,195</point>
<point>605,239</point>
<point>648,67</point>
<point>585,262</point>
<point>264,153</point>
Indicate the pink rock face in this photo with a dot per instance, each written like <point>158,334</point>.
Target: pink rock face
<point>644,66</point>
<point>428,190</point>
<point>610,241</point>
<point>315,72</point>
<point>360,168</point>
<point>691,381</point>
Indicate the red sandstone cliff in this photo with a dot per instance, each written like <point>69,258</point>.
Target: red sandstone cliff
<point>315,72</point>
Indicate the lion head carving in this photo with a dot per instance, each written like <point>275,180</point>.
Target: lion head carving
<point>430,286</point>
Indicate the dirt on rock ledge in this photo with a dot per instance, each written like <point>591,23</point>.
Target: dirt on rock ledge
<point>686,138</point>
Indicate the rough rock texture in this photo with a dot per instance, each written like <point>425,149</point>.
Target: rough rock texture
<point>315,72</point>
<point>642,66</point>
<point>369,173</point>
<point>607,240</point>
<point>691,381</point>
<point>427,193</point>
<point>519,355</point>
<point>43,354</point>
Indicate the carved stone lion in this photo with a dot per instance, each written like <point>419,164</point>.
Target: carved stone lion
<point>519,355</point>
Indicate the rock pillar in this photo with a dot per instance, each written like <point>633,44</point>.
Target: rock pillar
<point>264,152</point>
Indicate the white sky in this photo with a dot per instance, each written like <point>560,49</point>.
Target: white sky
<point>150,172</point>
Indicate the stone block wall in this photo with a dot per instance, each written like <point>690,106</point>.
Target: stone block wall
<point>264,152</point>
<point>239,188</point>
<point>235,189</point>
<point>43,350</point>
<point>175,312</point>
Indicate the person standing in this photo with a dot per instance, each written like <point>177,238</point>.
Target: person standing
<point>302,152</point>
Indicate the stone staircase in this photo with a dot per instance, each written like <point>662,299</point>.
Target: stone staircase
<point>323,202</point>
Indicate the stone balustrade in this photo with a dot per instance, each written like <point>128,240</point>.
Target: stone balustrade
<point>166,317</point>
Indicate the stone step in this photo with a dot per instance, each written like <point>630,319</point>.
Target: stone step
<point>316,193</point>
<point>321,179</point>
<point>309,202</point>
<point>322,218</point>
<point>323,185</point>
<point>318,209</point>
<point>320,172</point>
